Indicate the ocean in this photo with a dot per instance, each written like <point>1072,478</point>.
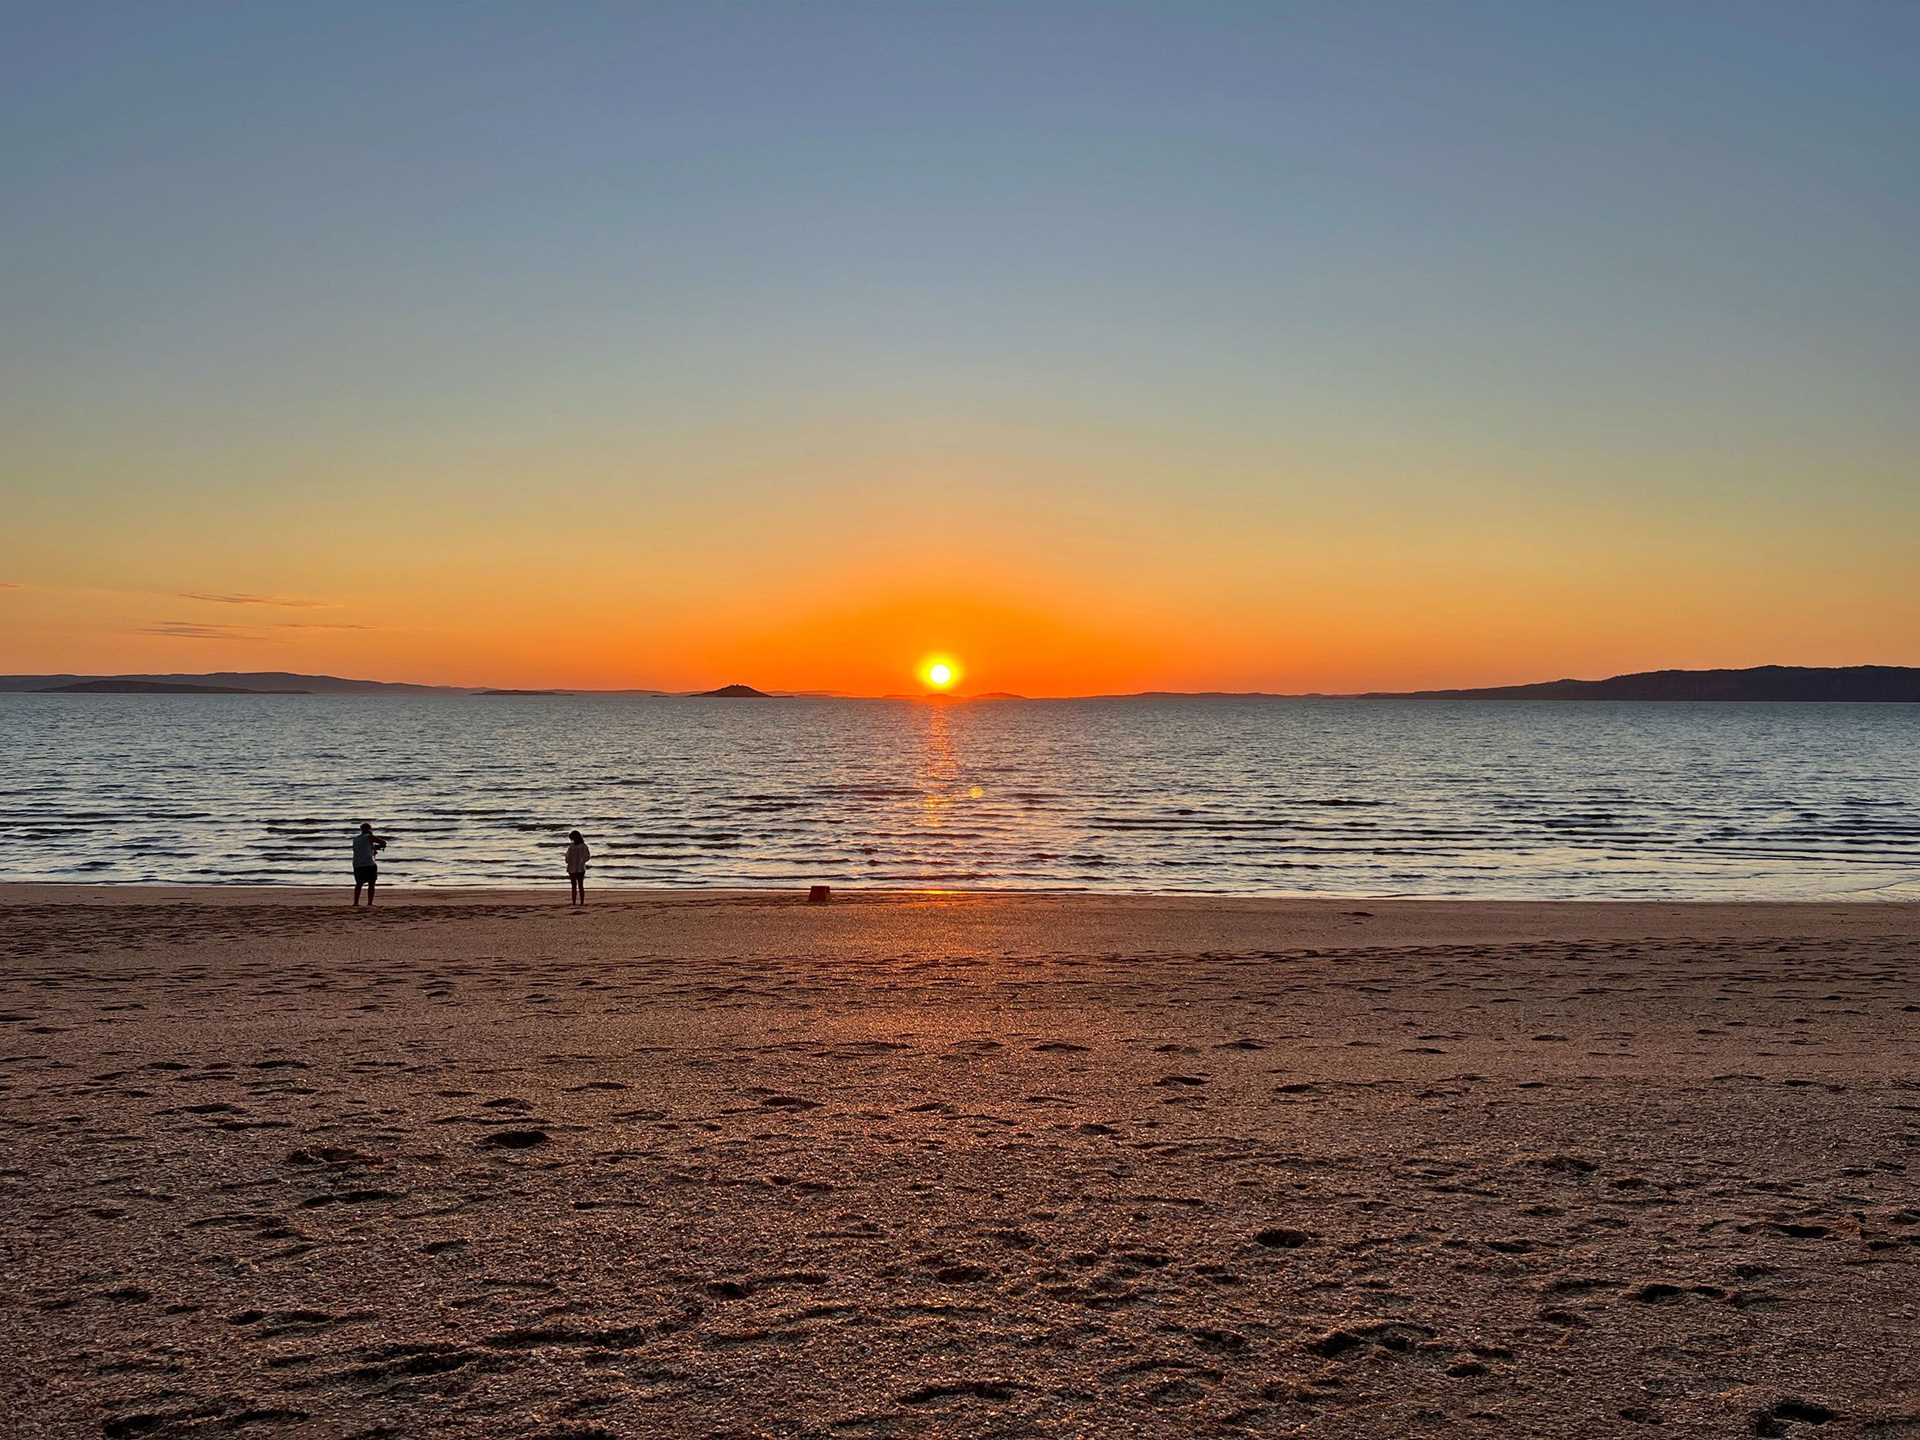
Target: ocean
<point>1256,797</point>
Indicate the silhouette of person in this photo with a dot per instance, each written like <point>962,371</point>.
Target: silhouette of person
<point>577,856</point>
<point>366,845</point>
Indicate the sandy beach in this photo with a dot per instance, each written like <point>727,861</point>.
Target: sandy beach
<point>955,1165</point>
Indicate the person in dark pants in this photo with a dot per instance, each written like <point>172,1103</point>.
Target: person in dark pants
<point>577,856</point>
<point>366,873</point>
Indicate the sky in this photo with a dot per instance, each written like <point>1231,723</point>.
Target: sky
<point>1102,346</point>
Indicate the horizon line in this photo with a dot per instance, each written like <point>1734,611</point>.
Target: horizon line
<point>50,681</point>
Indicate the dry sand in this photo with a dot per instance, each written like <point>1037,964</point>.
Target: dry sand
<point>968,1165</point>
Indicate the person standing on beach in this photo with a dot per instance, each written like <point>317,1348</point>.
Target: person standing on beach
<point>366,845</point>
<point>577,856</point>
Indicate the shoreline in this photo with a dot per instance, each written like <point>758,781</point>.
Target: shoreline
<point>143,891</point>
<point>711,922</point>
<point>1243,918</point>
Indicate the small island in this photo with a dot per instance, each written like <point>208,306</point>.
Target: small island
<point>731,692</point>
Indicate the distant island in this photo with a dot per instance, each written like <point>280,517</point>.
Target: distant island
<point>731,692</point>
<point>264,682</point>
<point>1879,683</point>
<point>1885,684</point>
<point>156,687</point>
<point>231,682</point>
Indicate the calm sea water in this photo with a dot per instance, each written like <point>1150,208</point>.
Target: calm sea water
<point>1253,797</point>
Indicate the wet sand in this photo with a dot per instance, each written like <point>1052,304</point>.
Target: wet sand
<point>961,1165</point>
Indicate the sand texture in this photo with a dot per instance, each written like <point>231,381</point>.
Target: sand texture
<point>962,1166</point>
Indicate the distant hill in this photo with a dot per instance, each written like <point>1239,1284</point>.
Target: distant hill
<point>732,692</point>
<point>1208,695</point>
<point>1881,683</point>
<point>272,681</point>
<point>155,687</point>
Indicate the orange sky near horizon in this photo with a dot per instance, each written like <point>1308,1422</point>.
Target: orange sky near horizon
<point>1047,610</point>
<point>1049,563</point>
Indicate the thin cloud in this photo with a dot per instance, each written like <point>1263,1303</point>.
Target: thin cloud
<point>9,585</point>
<point>195,630</point>
<point>284,602</point>
<point>188,630</point>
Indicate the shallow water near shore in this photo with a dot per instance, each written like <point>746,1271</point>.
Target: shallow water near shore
<point>1258,797</point>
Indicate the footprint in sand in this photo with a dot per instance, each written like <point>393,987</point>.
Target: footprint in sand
<point>1281,1237</point>
<point>513,1139</point>
<point>1791,1410</point>
<point>789,1102</point>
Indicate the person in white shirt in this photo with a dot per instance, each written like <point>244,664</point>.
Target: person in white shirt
<point>577,856</point>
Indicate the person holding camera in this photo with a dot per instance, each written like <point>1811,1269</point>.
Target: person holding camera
<point>366,873</point>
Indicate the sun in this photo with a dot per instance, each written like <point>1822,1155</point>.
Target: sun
<point>939,672</point>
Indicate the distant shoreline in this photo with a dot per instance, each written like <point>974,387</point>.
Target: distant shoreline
<point>1770,684</point>
<point>1204,696</point>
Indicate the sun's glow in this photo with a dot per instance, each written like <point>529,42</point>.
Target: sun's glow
<point>939,672</point>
